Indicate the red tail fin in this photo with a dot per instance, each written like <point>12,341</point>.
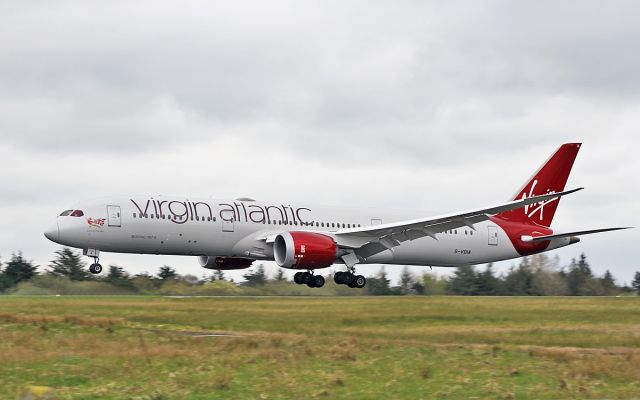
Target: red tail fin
<point>550,178</point>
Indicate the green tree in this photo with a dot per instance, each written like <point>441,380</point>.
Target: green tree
<point>379,284</point>
<point>257,277</point>
<point>279,277</point>
<point>579,277</point>
<point>635,284</point>
<point>608,283</point>
<point>145,283</point>
<point>407,281</point>
<point>463,281</point>
<point>167,273</point>
<point>17,270</point>
<point>487,284</point>
<point>118,277</point>
<point>434,285</point>
<point>520,281</point>
<point>68,263</point>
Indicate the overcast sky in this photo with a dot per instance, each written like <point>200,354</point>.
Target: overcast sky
<point>437,106</point>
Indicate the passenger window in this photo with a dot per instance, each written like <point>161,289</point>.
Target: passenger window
<point>134,215</point>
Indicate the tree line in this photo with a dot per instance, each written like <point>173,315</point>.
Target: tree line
<point>538,275</point>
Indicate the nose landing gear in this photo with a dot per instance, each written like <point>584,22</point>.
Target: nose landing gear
<point>94,268</point>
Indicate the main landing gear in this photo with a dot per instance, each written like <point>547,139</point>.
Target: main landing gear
<point>350,279</point>
<point>309,279</point>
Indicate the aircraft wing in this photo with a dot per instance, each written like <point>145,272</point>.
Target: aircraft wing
<point>369,240</point>
<point>569,234</point>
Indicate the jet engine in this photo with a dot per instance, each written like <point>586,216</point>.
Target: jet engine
<point>225,263</point>
<point>304,250</point>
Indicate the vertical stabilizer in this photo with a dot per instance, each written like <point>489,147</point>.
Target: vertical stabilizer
<point>550,178</point>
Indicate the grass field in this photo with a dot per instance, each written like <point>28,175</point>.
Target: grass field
<point>301,347</point>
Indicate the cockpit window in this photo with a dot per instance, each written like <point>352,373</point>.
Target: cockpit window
<point>77,213</point>
<point>65,213</point>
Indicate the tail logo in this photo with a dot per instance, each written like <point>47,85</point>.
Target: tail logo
<point>531,209</point>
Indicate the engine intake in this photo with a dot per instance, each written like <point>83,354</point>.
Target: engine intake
<point>224,263</point>
<point>304,250</point>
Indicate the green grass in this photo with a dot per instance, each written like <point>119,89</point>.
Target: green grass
<point>324,347</point>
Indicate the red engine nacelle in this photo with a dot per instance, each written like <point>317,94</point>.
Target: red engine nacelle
<point>225,263</point>
<point>304,250</point>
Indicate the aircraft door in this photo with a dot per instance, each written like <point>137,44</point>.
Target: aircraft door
<point>493,235</point>
<point>113,216</point>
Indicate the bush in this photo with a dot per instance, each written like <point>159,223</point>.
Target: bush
<point>49,284</point>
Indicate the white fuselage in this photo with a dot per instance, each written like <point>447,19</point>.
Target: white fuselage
<point>238,228</point>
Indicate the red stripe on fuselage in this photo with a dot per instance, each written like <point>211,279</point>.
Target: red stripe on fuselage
<point>515,231</point>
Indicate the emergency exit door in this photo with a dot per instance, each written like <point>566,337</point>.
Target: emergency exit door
<point>493,235</point>
<point>113,216</point>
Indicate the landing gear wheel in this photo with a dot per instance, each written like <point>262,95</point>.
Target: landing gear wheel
<point>359,281</point>
<point>95,268</point>
<point>297,278</point>
<point>316,281</point>
<point>305,278</point>
<point>347,278</point>
<point>338,277</point>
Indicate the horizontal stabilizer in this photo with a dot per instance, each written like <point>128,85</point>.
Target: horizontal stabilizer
<point>526,238</point>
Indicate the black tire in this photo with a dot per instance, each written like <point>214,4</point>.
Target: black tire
<point>318,280</point>
<point>95,268</point>
<point>338,277</point>
<point>347,278</point>
<point>305,278</point>
<point>359,281</point>
<point>297,278</point>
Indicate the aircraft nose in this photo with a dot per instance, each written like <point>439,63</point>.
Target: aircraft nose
<point>52,233</point>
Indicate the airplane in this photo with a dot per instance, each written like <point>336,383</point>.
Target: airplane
<point>232,234</point>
